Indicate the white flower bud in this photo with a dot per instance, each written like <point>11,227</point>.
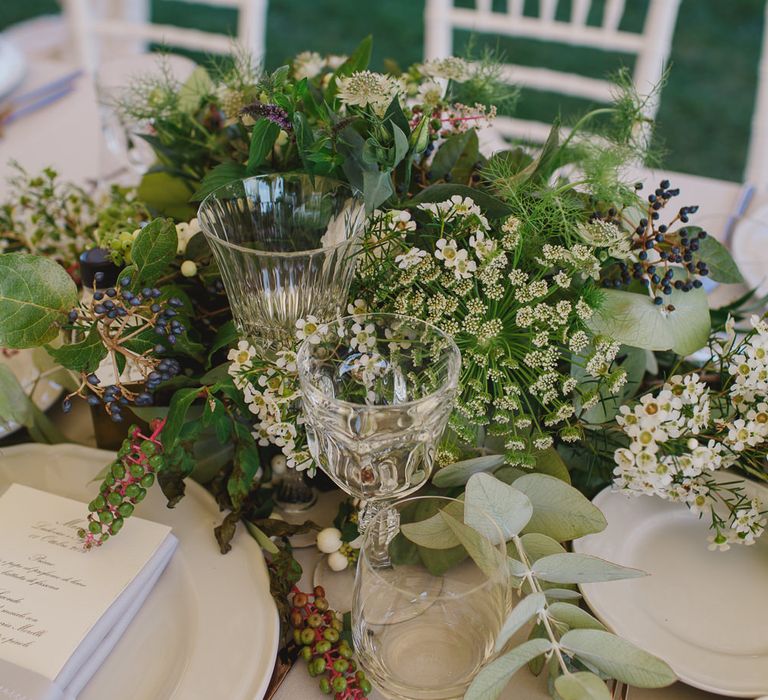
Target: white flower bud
<point>279,465</point>
<point>337,561</point>
<point>189,268</point>
<point>329,540</point>
<point>693,443</point>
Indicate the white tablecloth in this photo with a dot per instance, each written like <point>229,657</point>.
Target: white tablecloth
<point>66,136</point>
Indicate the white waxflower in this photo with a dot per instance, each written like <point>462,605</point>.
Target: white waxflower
<point>446,251</point>
<point>484,247</point>
<point>310,329</point>
<point>359,307</point>
<point>308,64</point>
<point>410,259</point>
<point>241,357</point>
<point>363,337</point>
<point>464,268</point>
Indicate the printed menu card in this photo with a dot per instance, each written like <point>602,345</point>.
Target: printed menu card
<point>62,608</point>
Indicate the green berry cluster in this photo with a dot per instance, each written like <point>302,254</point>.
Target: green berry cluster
<point>124,485</point>
<point>317,630</point>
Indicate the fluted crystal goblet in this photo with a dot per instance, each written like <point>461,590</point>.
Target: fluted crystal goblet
<point>286,247</point>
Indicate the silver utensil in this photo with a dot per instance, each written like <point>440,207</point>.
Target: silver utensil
<point>619,691</point>
<point>36,99</point>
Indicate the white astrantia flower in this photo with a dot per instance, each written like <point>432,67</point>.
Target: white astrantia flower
<point>411,258</point>
<point>335,61</point>
<point>430,93</point>
<point>311,329</point>
<point>450,68</point>
<point>368,89</point>
<point>308,64</point>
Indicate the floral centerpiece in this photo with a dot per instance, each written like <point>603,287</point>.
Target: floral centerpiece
<point>575,296</point>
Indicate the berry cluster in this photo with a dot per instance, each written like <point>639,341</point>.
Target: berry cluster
<point>318,631</point>
<point>125,485</point>
<point>662,259</point>
<point>126,323</point>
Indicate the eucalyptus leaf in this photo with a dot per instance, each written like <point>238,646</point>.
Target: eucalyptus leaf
<point>550,462</point>
<point>433,532</point>
<point>618,658</point>
<point>488,559</point>
<point>633,319</point>
<point>458,473</point>
<point>570,567</point>
<point>35,295</point>
<point>582,686</point>
<point>572,615</point>
<point>509,508</point>
<point>537,546</point>
<point>559,510</point>
<point>516,568</point>
<point>84,356</point>
<point>556,594</point>
<point>520,616</point>
<point>492,679</point>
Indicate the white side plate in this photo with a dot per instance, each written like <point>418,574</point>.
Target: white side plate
<point>703,612</point>
<point>209,629</point>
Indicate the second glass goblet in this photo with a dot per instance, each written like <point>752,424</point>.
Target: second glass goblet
<point>377,390</point>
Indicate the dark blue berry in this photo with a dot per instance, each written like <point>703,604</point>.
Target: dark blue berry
<point>125,281</point>
<point>66,405</point>
<point>92,379</point>
<point>111,292</point>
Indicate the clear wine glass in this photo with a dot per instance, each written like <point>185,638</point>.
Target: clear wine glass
<point>377,391</point>
<point>425,618</point>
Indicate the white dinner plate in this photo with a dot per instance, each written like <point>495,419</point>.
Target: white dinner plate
<point>12,68</point>
<point>44,392</point>
<point>703,612</point>
<point>750,249</point>
<point>209,630</point>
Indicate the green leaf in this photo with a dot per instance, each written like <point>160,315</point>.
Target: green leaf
<point>618,658</point>
<point>35,295</point>
<point>165,194</point>
<point>633,319</point>
<point>17,407</point>
<point>458,474</point>
<point>177,413</point>
<point>304,139</point>
<point>537,546</point>
<point>525,610</point>
<point>395,114</point>
<point>246,465</point>
<point>432,532</point>
<point>573,616</point>
<point>264,542</point>
<point>582,686</point>
<point>561,594</point>
<point>377,188</point>
<point>401,144</point>
<point>221,175</point>
<point>581,568</point>
<point>722,266</point>
<point>197,86</point>
<point>559,510</point>
<point>84,356</point>
<point>492,679</point>
<point>263,137</point>
<point>486,497</point>
<point>550,462</point>
<point>153,251</point>
<point>493,207</point>
<point>457,157</point>
<point>479,548</point>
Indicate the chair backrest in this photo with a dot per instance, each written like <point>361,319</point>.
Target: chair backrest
<point>651,46</point>
<point>756,170</point>
<point>125,23</point>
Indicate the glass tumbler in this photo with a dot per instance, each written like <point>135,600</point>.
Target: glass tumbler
<point>286,247</point>
<point>425,616</point>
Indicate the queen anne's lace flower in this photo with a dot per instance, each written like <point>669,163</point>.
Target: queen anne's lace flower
<point>368,89</point>
<point>450,68</point>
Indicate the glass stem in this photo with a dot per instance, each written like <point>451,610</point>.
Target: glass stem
<point>381,529</point>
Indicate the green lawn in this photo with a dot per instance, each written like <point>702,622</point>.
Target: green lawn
<point>706,107</point>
